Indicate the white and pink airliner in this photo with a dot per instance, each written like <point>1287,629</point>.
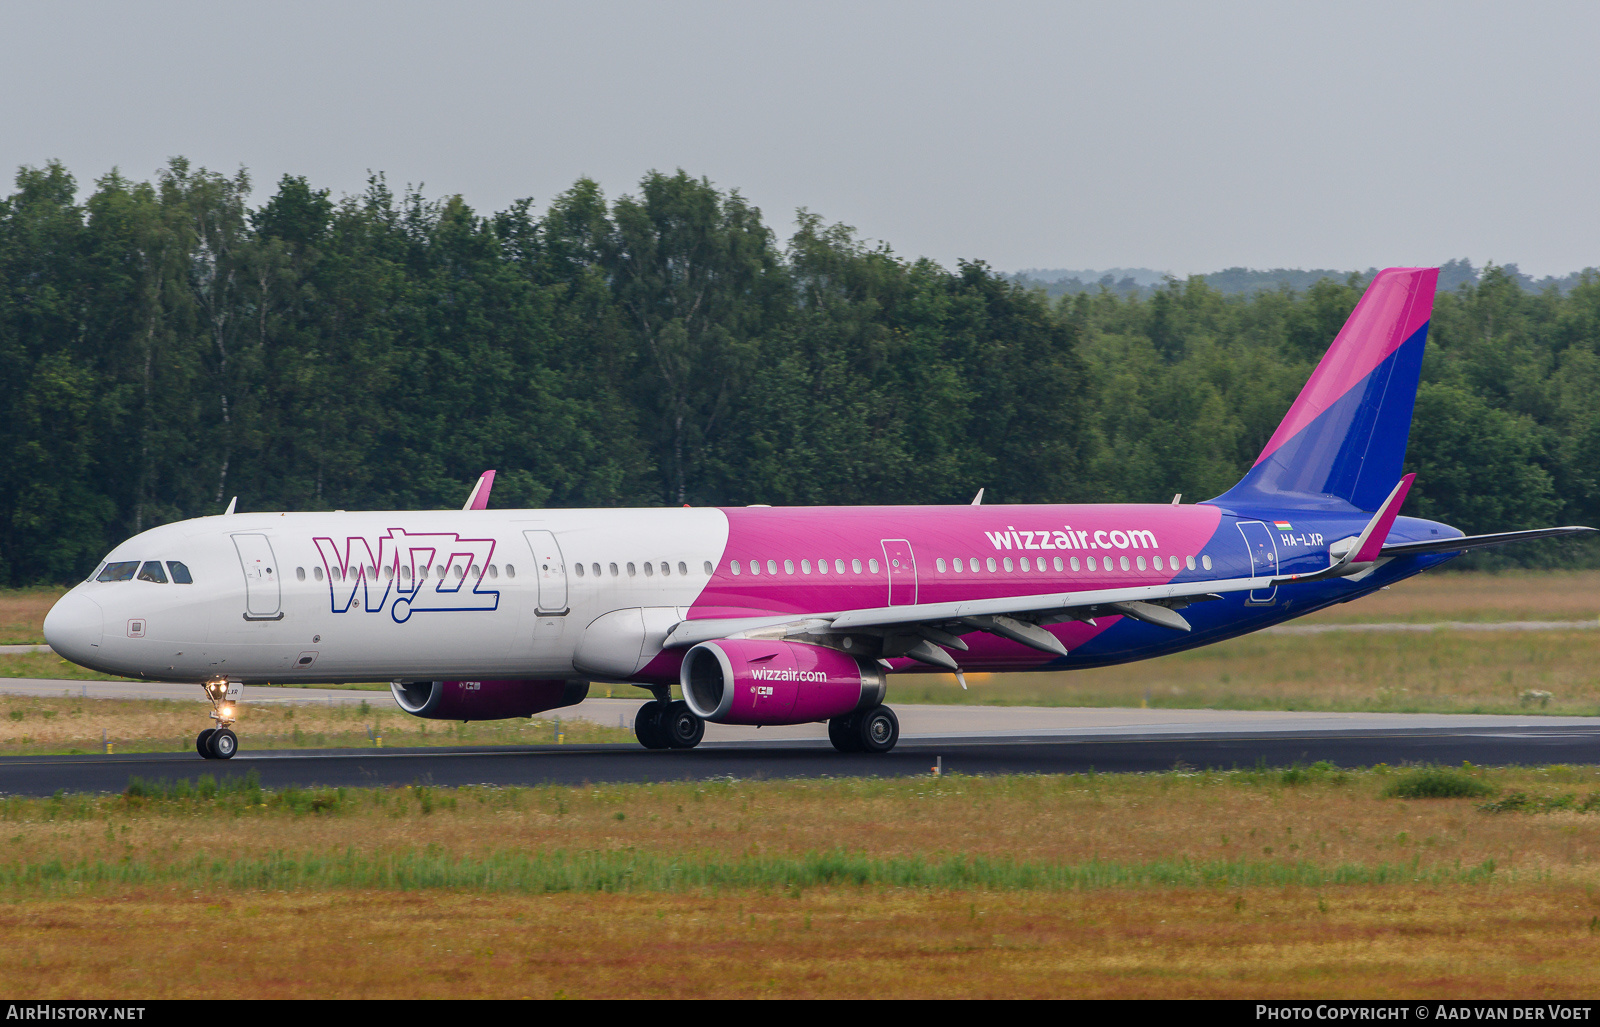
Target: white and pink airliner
<point>778,616</point>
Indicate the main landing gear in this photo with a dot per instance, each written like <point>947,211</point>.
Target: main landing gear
<point>874,730</point>
<point>220,743</point>
<point>663,724</point>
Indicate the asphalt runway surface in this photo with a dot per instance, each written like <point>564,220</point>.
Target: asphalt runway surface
<point>807,758</point>
<point>976,739</point>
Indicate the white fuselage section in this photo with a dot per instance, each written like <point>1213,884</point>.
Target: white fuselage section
<point>335,597</point>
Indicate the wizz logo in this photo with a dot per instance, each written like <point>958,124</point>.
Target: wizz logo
<point>424,573</point>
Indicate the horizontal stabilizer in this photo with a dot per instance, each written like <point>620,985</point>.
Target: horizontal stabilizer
<point>1458,545</point>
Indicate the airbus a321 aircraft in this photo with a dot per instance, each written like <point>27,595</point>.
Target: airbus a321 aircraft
<point>778,616</point>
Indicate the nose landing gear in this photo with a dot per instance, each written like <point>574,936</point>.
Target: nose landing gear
<point>220,743</point>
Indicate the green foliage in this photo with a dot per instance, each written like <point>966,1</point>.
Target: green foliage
<point>1521,802</point>
<point>163,347</point>
<point>1436,783</point>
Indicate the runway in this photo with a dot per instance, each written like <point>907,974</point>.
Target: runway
<point>1018,753</point>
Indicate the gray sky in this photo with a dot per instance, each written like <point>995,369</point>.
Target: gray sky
<point>1184,137</point>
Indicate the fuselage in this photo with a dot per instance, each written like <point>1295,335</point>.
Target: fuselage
<point>362,596</point>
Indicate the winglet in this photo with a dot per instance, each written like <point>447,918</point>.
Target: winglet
<point>1370,544</point>
<point>479,500</point>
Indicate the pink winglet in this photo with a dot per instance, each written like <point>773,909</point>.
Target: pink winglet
<point>479,500</point>
<point>1397,303</point>
<point>1379,530</point>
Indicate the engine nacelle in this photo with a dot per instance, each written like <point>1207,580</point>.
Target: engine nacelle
<point>745,681</point>
<point>486,700</point>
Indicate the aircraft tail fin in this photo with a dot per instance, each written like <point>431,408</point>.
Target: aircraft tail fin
<point>1344,440</point>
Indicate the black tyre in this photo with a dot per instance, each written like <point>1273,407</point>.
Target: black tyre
<point>877,729</point>
<point>842,733</point>
<point>682,728</point>
<point>202,742</point>
<point>224,744</point>
<point>647,726</point>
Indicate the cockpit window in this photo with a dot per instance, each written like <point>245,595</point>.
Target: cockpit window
<point>151,571</point>
<point>119,571</point>
<point>180,573</point>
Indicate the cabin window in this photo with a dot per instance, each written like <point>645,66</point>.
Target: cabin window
<point>822,566</point>
<point>511,571</point>
<point>855,565</point>
<point>708,567</point>
<point>300,574</point>
<point>579,568</point>
<point>632,571</point>
<point>1091,562</point>
<point>1026,564</point>
<point>388,572</point>
<point>1059,568</point>
<point>872,565</point>
<point>1124,562</point>
<point>805,566</point>
<point>1074,563</point>
<point>151,571</point>
<point>613,568</point>
<point>123,570</point>
<point>755,566</point>
<point>940,564</point>
<point>788,566</point>
<point>734,566</point>
<point>838,565</point>
<point>316,572</point>
<point>666,568</point>
<point>1188,562</point>
<point>1141,562</point>
<point>649,569</point>
<point>440,569</point>
<point>959,564</point>
<point>683,568</point>
<point>989,563</point>
<point>1006,562</point>
<point>1205,561</point>
<point>594,567</point>
<point>772,566</point>
<point>494,572</point>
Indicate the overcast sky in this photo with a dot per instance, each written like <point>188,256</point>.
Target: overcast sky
<point>1183,137</point>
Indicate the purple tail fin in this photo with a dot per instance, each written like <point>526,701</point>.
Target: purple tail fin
<point>1344,439</point>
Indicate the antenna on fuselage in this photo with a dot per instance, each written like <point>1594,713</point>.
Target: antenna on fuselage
<point>977,500</point>
<point>1177,498</point>
<point>231,504</point>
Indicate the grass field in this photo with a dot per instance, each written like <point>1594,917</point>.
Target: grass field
<point>1246,884</point>
<point>68,724</point>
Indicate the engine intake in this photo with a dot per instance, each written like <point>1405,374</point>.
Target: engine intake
<point>486,700</point>
<point>745,681</point>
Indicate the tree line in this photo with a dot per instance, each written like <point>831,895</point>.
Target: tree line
<point>165,346</point>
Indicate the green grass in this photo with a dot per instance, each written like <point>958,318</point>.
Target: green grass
<point>1437,783</point>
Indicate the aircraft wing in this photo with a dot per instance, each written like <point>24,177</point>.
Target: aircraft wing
<point>1155,603</point>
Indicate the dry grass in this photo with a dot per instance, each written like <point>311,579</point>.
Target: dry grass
<point>1402,672</point>
<point>1474,596</point>
<point>22,613</point>
<point>840,943</point>
<point>32,725</point>
<point>1524,925</point>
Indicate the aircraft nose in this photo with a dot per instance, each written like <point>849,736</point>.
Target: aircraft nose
<point>74,627</point>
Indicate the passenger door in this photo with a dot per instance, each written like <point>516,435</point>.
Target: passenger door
<point>263,596</point>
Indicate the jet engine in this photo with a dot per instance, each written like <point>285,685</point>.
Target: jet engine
<point>745,681</point>
<point>486,700</point>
